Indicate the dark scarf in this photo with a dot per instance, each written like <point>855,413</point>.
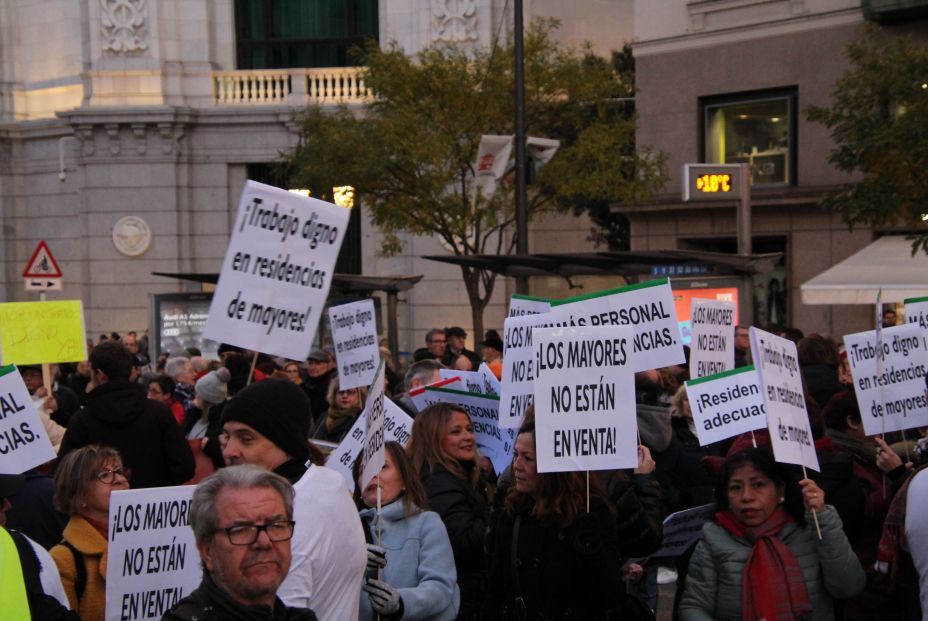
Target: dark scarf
<point>292,470</point>
<point>864,449</point>
<point>893,538</point>
<point>772,584</point>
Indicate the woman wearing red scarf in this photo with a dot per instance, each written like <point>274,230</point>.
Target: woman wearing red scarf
<point>762,559</point>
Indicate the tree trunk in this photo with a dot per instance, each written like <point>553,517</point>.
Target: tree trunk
<point>478,302</point>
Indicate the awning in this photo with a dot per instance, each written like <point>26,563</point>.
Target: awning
<point>885,264</point>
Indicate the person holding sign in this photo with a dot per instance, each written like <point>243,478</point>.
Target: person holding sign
<point>762,558</point>
<point>242,518</point>
<point>83,483</point>
<point>443,450</point>
<point>418,579</point>
<point>556,554</point>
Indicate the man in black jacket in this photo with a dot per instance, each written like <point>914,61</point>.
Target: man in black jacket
<point>242,519</point>
<point>119,415</point>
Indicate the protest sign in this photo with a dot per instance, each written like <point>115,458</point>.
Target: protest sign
<point>518,367</point>
<point>473,380</point>
<point>584,399</point>
<point>277,271</point>
<point>41,332</point>
<point>712,348</point>
<point>521,305</point>
<point>354,336</point>
<point>647,307</point>
<point>491,385</point>
<point>153,560</point>
<point>916,311</point>
<point>23,441</point>
<point>726,404</point>
<point>494,443</point>
<point>373,455</point>
<point>682,529</point>
<point>777,365</point>
<point>891,398</point>
<point>397,427</point>
<point>453,383</point>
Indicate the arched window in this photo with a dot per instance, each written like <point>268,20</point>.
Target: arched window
<point>287,34</point>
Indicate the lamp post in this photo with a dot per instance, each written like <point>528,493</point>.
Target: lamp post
<point>521,208</point>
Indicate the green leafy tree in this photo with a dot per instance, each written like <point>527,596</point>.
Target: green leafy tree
<point>879,122</point>
<point>410,153</point>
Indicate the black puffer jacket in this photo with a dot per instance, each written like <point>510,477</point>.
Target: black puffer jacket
<point>639,509</point>
<point>465,512</point>
<point>144,431</point>
<point>210,603</point>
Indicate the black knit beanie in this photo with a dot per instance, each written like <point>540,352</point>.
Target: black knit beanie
<point>279,410</point>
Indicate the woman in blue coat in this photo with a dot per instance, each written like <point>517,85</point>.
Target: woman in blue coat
<point>417,579</point>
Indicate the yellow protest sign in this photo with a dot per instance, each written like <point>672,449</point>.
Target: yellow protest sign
<point>40,332</point>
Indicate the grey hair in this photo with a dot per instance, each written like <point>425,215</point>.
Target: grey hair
<point>431,333</point>
<point>175,365</point>
<point>421,371</point>
<point>203,518</point>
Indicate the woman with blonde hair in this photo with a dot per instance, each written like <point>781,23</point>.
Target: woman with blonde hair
<point>344,408</point>
<point>443,450</point>
<point>83,483</point>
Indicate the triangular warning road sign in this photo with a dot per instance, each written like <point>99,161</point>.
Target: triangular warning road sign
<point>42,264</point>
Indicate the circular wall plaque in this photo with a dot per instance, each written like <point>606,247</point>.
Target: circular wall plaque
<point>131,236</point>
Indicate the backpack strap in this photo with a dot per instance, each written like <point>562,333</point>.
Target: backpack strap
<point>80,570</point>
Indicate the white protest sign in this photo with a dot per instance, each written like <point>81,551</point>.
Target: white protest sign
<point>153,560</point>
<point>491,385</point>
<point>473,380</point>
<point>518,367</point>
<point>712,348</point>
<point>647,307</point>
<point>452,383</point>
<point>277,271</point>
<point>397,427</point>
<point>354,336</point>
<point>777,365</point>
<point>726,404</point>
<point>682,529</point>
<point>493,442</point>
<point>891,398</point>
<point>584,399</point>
<point>23,441</point>
<point>373,456</point>
<point>916,311</point>
<point>521,305</point>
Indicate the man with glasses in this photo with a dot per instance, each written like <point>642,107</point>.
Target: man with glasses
<point>242,520</point>
<point>267,425</point>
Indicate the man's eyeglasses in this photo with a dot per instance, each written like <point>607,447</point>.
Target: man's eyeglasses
<point>108,476</point>
<point>247,534</point>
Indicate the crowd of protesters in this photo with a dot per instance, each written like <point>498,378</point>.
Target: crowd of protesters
<point>453,540</point>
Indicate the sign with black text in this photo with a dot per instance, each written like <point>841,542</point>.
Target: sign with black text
<point>354,336</point>
<point>518,367</point>
<point>727,404</point>
<point>584,393</point>
<point>23,441</point>
<point>712,345</point>
<point>647,307</point>
<point>916,311</point>
<point>777,364</point>
<point>277,271</point>
<point>152,559</point>
<point>373,456</point>
<point>521,305</point>
<point>397,427</point>
<point>892,397</point>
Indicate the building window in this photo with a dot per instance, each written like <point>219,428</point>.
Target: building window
<point>282,34</point>
<point>759,130</point>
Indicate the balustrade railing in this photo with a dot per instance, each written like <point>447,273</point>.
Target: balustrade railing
<point>290,86</point>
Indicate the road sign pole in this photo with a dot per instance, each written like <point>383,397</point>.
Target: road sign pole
<point>746,241</point>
